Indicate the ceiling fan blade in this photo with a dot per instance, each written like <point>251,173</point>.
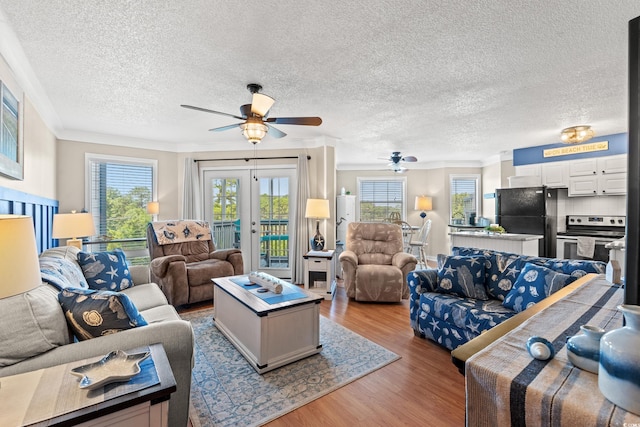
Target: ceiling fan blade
<point>261,103</point>
<point>305,121</point>
<point>220,129</point>
<point>410,159</point>
<point>275,132</point>
<point>211,111</point>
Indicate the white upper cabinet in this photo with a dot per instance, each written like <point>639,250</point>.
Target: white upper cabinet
<point>555,175</point>
<point>612,164</point>
<point>583,167</point>
<point>603,176</point>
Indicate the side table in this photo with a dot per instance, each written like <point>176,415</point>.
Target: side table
<point>320,273</point>
<point>51,397</point>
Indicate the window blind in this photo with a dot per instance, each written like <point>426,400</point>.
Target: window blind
<point>119,193</point>
<point>380,198</point>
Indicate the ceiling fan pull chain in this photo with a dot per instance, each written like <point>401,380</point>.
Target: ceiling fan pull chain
<point>255,162</point>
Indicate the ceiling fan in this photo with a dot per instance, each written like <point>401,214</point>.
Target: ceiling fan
<point>396,158</point>
<point>256,124</point>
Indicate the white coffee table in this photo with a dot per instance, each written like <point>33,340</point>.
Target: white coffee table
<point>267,335</point>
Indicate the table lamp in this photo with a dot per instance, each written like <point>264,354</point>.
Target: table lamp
<point>73,225</point>
<point>19,266</point>
<point>153,209</point>
<point>423,203</point>
<point>318,209</point>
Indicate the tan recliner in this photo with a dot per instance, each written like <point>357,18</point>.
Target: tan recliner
<point>184,259</point>
<point>374,265</point>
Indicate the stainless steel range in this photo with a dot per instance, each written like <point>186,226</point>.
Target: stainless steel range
<point>603,229</point>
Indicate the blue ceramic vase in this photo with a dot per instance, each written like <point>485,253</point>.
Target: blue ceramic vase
<point>583,350</point>
<point>619,370</point>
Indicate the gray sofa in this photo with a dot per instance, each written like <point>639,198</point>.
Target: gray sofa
<point>35,334</point>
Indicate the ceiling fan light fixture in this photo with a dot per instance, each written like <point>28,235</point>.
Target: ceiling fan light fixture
<point>254,131</point>
<point>260,104</point>
<point>576,134</point>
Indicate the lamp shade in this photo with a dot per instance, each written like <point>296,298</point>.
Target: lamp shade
<point>423,203</point>
<point>19,266</point>
<point>153,208</point>
<point>73,225</point>
<point>317,208</point>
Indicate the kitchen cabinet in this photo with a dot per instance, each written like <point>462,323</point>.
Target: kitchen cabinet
<point>555,175</point>
<point>603,176</point>
<point>583,167</point>
<point>594,185</point>
<point>528,170</point>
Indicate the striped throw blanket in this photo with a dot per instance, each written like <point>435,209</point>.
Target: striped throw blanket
<point>506,386</point>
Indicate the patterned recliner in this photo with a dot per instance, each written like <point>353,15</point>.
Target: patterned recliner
<point>374,265</point>
<point>184,259</point>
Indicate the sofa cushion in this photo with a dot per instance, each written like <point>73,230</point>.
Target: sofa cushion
<point>472,314</point>
<point>62,273</point>
<point>32,323</point>
<point>146,296</point>
<point>463,276</point>
<point>105,270</point>
<point>534,284</point>
<point>93,313</point>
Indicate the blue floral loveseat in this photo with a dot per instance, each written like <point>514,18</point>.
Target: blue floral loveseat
<point>473,290</point>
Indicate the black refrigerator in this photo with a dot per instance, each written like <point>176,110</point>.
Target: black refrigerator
<point>530,210</point>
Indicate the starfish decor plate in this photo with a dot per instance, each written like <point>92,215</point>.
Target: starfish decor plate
<point>115,366</point>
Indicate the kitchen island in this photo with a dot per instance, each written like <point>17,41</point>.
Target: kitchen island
<point>523,244</point>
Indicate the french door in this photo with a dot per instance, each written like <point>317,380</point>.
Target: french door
<point>253,210</point>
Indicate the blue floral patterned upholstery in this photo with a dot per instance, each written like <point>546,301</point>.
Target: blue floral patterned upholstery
<point>105,270</point>
<point>534,284</point>
<point>61,273</point>
<point>91,313</point>
<point>453,320</point>
<point>463,276</point>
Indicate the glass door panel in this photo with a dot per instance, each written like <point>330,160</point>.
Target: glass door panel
<point>251,212</point>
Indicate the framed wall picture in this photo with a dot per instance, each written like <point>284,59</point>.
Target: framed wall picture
<point>11,138</point>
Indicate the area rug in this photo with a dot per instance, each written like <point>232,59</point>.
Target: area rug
<point>227,391</point>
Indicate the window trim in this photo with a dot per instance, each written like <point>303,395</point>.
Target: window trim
<point>136,161</point>
<point>475,176</point>
<point>402,180</point>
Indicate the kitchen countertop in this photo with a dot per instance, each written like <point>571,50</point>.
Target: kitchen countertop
<point>617,244</point>
<point>497,236</point>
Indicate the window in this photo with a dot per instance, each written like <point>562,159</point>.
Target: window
<point>118,190</point>
<point>464,191</point>
<point>381,198</point>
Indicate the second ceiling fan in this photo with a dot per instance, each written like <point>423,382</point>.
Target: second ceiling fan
<point>397,158</point>
<point>255,123</point>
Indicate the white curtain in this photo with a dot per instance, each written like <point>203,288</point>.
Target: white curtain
<point>301,243</point>
<point>191,192</point>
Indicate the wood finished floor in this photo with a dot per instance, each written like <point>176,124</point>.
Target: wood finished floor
<point>423,388</point>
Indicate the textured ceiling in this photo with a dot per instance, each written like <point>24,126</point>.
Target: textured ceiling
<point>441,80</point>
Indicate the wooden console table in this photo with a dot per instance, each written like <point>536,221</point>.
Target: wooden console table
<point>52,397</point>
<point>506,386</point>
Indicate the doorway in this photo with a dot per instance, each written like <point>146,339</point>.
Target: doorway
<point>253,210</point>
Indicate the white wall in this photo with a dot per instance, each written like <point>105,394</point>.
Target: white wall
<point>71,174</point>
<point>39,146</point>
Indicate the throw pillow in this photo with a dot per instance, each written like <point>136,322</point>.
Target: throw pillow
<point>32,324</point>
<point>61,273</point>
<point>463,276</point>
<point>91,313</point>
<point>534,284</point>
<point>105,270</point>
